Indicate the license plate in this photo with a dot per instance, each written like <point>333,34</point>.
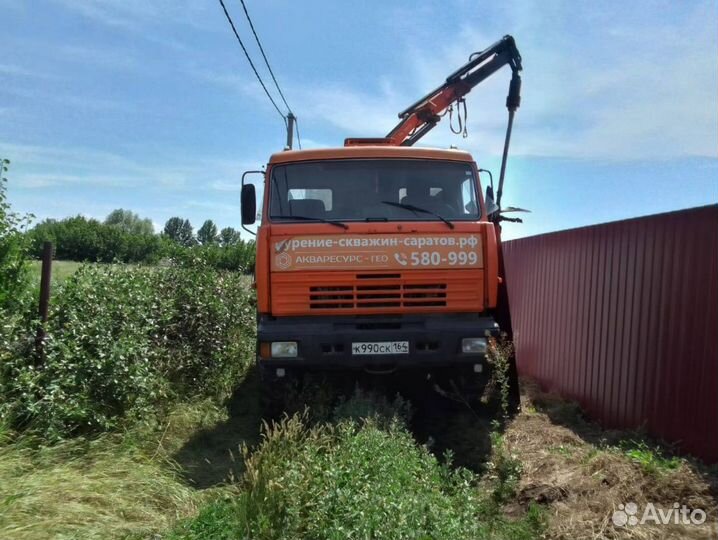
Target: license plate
<point>381,347</point>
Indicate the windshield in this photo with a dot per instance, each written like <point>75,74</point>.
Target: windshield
<point>379,189</point>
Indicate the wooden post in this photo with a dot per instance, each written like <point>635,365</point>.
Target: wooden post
<point>44,298</point>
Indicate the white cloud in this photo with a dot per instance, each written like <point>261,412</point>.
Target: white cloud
<point>624,93</point>
<point>80,103</point>
<point>131,14</point>
<point>224,185</point>
<point>18,71</point>
<point>162,187</point>
<point>44,180</point>
<point>356,113</point>
<point>309,144</point>
<point>632,92</point>
<point>100,57</point>
<point>88,167</point>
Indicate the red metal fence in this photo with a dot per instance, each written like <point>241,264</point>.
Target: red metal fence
<point>622,317</point>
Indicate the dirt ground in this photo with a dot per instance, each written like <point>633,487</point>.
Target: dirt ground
<point>579,473</point>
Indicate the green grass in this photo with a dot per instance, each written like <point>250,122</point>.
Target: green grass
<point>651,459</point>
<point>562,450</point>
<point>61,270</point>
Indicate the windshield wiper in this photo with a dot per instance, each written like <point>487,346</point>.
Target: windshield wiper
<point>413,208</point>
<point>306,218</point>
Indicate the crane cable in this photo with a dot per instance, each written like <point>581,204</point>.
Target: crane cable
<point>249,59</point>
<point>296,127</point>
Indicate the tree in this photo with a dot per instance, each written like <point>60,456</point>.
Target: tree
<point>81,239</point>
<point>229,236</point>
<point>129,222</point>
<point>187,234</point>
<point>172,228</point>
<point>180,231</point>
<point>207,233</point>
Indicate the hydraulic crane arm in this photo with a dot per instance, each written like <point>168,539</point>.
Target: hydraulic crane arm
<point>422,116</point>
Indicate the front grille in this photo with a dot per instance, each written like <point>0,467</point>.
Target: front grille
<point>390,293</point>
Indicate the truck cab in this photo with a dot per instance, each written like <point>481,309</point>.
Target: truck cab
<point>374,258</point>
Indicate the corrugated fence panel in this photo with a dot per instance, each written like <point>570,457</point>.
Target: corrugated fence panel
<point>623,318</point>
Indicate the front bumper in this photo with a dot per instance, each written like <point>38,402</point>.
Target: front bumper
<point>326,342</point>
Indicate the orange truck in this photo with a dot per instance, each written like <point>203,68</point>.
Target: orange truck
<point>379,256</point>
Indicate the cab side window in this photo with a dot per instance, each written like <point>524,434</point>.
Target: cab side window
<point>469,206</point>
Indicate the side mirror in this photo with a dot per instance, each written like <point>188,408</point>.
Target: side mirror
<point>249,204</point>
<point>491,206</point>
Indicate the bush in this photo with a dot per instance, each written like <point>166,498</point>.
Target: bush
<point>352,479</point>
<point>211,328</point>
<point>13,249</point>
<point>122,342</point>
<point>238,257</point>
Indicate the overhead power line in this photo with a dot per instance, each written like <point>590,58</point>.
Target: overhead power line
<point>261,49</point>
<point>249,59</point>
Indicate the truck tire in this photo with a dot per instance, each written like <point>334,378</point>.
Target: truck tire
<point>275,393</point>
<point>474,390</point>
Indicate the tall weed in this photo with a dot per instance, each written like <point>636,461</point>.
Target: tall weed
<point>351,479</point>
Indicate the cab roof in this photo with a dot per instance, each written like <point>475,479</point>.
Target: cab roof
<point>359,152</point>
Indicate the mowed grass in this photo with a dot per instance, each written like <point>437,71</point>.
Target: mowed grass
<point>61,270</point>
<point>95,489</point>
<point>113,486</point>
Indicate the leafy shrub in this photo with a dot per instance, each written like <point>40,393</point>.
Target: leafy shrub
<point>237,257</point>
<point>13,248</point>
<point>210,330</point>
<point>351,479</point>
<point>121,342</point>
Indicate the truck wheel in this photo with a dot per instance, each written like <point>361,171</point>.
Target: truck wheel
<point>275,392</point>
<point>462,385</point>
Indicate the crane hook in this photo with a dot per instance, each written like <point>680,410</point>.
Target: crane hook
<point>462,128</point>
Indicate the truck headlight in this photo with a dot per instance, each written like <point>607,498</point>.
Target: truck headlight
<point>473,345</point>
<point>284,349</point>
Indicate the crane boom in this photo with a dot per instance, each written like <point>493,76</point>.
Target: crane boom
<point>417,120</point>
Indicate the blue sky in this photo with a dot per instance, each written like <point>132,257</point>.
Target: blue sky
<point>151,105</point>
